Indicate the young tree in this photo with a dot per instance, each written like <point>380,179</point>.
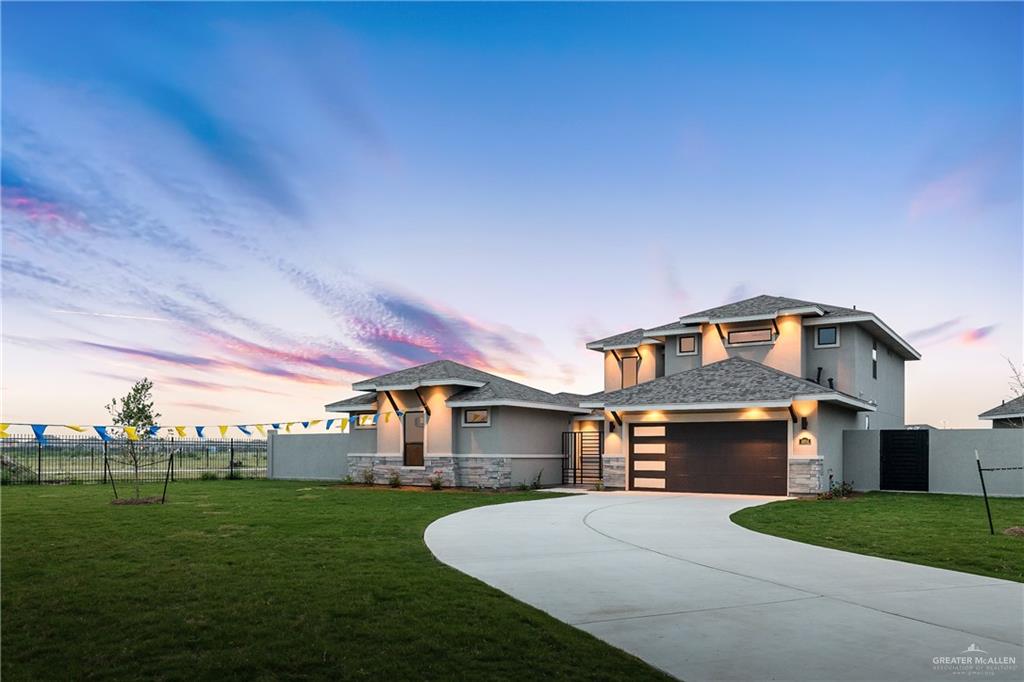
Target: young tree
<point>136,410</point>
<point>1016,387</point>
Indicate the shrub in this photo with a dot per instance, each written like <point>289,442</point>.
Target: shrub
<point>208,476</point>
<point>368,477</point>
<point>837,491</point>
<point>522,485</point>
<point>599,485</point>
<point>348,480</point>
<point>436,480</point>
<point>394,479</point>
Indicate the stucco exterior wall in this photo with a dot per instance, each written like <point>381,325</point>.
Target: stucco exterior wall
<point>362,440</point>
<point>951,463</point>
<point>652,366</point>
<point>513,431</point>
<point>785,354</point>
<point>833,421</point>
<point>527,469</point>
<point>850,366</point>
<point>319,457</point>
<point>675,363</point>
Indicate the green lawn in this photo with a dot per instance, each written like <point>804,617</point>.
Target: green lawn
<point>262,580</point>
<point>948,531</point>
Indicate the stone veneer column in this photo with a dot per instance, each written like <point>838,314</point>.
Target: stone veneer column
<point>805,476</point>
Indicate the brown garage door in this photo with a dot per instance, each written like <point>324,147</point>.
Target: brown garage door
<point>710,457</point>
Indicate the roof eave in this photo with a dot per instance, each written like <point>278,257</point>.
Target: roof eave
<point>909,352</point>
<point>333,408</point>
<point>990,417</point>
<point>507,402</point>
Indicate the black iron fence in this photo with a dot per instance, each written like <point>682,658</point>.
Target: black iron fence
<point>582,457</point>
<point>78,459</point>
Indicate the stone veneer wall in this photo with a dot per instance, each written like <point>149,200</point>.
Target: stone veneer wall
<point>805,476</point>
<point>614,471</point>
<point>469,472</point>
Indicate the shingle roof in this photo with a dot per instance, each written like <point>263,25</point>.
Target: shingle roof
<point>631,338</point>
<point>1011,408</point>
<point>491,388</point>
<point>363,401</point>
<point>765,305</point>
<point>736,380</point>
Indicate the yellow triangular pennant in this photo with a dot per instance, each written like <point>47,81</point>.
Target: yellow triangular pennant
<point>259,427</point>
<point>180,430</point>
<point>74,427</point>
<point>314,422</point>
<point>131,433</point>
<point>223,430</point>
<point>3,431</point>
<point>343,423</point>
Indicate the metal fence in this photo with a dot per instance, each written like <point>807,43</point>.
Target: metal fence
<point>78,459</point>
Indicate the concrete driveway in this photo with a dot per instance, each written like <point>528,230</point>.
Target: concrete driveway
<point>670,579</point>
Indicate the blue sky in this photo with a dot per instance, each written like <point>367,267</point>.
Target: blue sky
<point>256,204</point>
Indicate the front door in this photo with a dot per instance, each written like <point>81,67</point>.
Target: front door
<point>413,428</point>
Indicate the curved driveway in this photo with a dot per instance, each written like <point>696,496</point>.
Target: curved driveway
<point>670,579</point>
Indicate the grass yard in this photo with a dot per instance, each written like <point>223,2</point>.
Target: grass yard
<point>263,580</point>
<point>947,531</point>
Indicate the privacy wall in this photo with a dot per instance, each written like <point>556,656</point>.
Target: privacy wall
<point>950,460</point>
<point>310,457</point>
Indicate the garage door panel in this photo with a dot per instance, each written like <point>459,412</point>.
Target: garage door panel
<point>720,457</point>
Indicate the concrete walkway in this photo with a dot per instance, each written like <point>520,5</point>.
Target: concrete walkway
<point>670,579</point>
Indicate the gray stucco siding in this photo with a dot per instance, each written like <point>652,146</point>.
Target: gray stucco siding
<point>850,366</point>
<point>362,440</point>
<point>675,363</point>
<point>832,422</point>
<point>513,430</point>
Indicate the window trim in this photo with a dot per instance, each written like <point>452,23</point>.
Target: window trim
<point>817,331</point>
<point>730,343</point>
<point>874,359</point>
<point>359,418</point>
<point>696,344</point>
<point>474,425</point>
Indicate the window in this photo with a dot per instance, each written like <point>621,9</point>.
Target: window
<point>630,371</point>
<point>827,337</point>
<point>476,417</point>
<point>364,421</point>
<point>687,345</point>
<point>874,359</point>
<point>742,336</point>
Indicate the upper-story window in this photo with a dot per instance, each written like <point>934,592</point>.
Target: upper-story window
<point>688,345</point>
<point>740,336</point>
<point>364,421</point>
<point>874,359</point>
<point>630,371</point>
<point>826,337</point>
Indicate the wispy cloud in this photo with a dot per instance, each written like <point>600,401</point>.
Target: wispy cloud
<point>936,332</point>
<point>204,407</point>
<point>978,334</point>
<point>116,316</point>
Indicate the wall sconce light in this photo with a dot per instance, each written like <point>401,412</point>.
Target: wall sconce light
<point>803,423</point>
<point>611,427</point>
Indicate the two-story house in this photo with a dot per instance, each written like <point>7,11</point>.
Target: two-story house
<point>750,397</point>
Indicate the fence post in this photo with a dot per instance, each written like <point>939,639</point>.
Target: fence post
<point>988,510</point>
<point>172,459</point>
<point>104,461</point>
<point>39,462</point>
<point>231,458</point>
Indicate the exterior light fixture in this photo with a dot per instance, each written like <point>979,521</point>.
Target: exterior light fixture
<point>803,423</point>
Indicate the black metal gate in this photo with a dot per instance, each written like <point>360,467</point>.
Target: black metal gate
<point>581,457</point>
<point>903,460</point>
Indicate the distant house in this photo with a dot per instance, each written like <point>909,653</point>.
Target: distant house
<point>1009,415</point>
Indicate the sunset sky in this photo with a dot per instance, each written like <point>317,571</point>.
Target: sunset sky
<point>257,204</point>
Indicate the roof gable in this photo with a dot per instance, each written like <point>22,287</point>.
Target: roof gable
<point>1009,409</point>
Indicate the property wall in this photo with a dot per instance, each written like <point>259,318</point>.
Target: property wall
<point>321,456</point>
<point>951,463</point>
<point>362,440</point>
